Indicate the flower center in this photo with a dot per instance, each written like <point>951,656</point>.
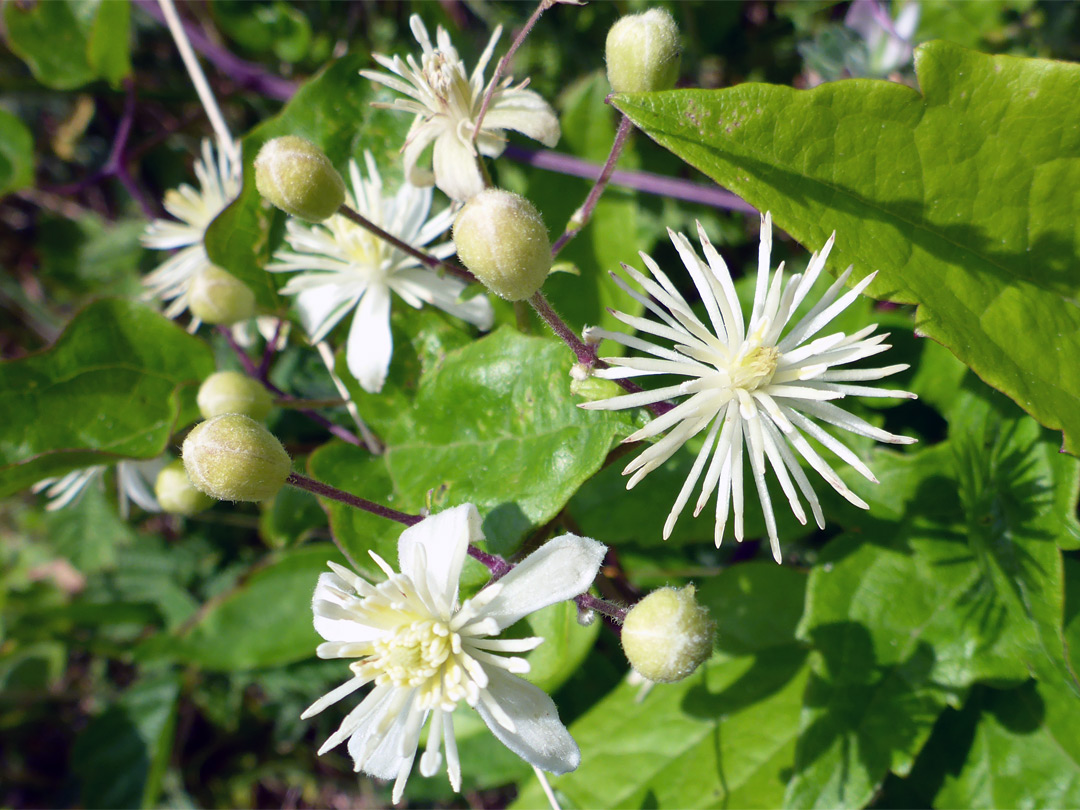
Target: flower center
<point>449,83</point>
<point>754,368</point>
<point>366,252</point>
<point>413,655</point>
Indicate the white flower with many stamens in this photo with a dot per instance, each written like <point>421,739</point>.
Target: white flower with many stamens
<point>134,484</point>
<point>425,653</point>
<point>219,182</point>
<point>752,385</point>
<point>447,102</point>
<point>345,266</point>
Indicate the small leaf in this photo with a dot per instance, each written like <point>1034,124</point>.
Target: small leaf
<point>16,154</point>
<point>109,388</point>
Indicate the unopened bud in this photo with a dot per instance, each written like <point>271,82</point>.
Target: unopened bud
<point>296,176</point>
<point>219,297</point>
<point>234,458</point>
<point>643,52</point>
<point>233,392</point>
<point>667,635</point>
<point>501,238</point>
<point>176,494</point>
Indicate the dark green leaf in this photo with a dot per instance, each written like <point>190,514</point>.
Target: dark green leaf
<point>16,154</point>
<point>121,756</point>
<point>961,197</point>
<point>109,45</point>
<point>110,388</point>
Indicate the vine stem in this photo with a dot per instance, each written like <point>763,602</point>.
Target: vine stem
<point>500,67</point>
<point>426,259</point>
<point>252,371</point>
<point>497,566</point>
<point>582,215</point>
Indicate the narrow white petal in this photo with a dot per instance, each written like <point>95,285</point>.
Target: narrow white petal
<point>333,696</point>
<point>691,479</point>
<point>457,172</point>
<point>370,343</point>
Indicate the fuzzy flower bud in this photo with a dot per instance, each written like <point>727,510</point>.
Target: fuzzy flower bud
<point>667,635</point>
<point>643,52</point>
<point>233,392</point>
<point>176,494</point>
<point>219,297</point>
<point>234,458</point>
<point>501,238</point>
<point>298,177</point>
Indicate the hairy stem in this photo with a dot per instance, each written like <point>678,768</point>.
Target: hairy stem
<point>581,217</point>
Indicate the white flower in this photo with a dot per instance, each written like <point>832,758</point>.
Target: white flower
<point>134,482</point>
<point>426,653</point>
<point>219,182</point>
<point>447,102</point>
<point>346,266</point>
<point>751,384</point>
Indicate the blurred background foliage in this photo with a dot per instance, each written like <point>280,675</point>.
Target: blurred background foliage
<point>143,662</point>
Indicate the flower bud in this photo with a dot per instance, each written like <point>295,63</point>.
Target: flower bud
<point>218,297</point>
<point>501,238</point>
<point>667,635</point>
<point>176,494</point>
<point>643,52</point>
<point>298,177</point>
<point>234,458</point>
<point>233,392</point>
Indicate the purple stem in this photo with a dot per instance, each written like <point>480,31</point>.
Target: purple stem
<point>244,73</point>
<point>585,354</point>
<point>582,215</point>
<point>424,258</point>
<point>501,66</point>
<point>252,371</point>
<point>268,353</point>
<point>495,564</point>
<point>647,182</point>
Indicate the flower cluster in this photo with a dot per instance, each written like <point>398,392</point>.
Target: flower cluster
<point>426,652</point>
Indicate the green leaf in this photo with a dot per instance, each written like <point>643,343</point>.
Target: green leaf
<point>953,577</point>
<point>724,737</point>
<point>333,111</point>
<point>961,197</point>
<point>566,644</point>
<point>68,43</point>
<point>1025,751</point>
<point>109,388</point>
<point>16,154</point>
<point>266,621</point>
<point>109,46</point>
<point>121,756</point>
<point>494,425</point>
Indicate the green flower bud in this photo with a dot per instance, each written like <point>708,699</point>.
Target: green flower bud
<point>501,238</point>
<point>643,52</point>
<point>667,635</point>
<point>233,392</point>
<point>176,494</point>
<point>234,458</point>
<point>218,297</point>
<point>298,177</point>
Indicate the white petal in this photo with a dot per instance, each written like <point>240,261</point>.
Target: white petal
<point>539,737</point>
<point>338,629</point>
<point>445,539</point>
<point>457,173</point>
<point>526,112</point>
<point>560,569</point>
<point>370,342</point>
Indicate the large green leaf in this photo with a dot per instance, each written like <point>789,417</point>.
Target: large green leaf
<point>16,154</point>
<point>334,111</point>
<point>121,756</point>
<point>68,43</point>
<point>953,577</point>
<point>725,736</point>
<point>266,621</point>
<point>495,425</point>
<point>109,388</point>
<point>961,196</point>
